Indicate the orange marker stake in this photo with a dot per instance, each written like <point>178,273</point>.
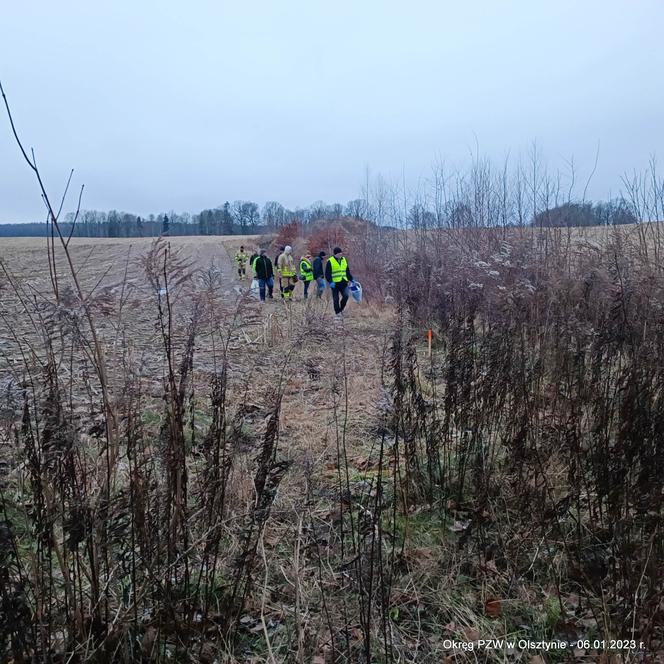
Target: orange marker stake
<point>429,337</point>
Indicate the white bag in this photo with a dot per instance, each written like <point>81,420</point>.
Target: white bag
<point>356,291</point>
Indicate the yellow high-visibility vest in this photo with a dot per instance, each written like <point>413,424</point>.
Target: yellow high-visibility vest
<point>339,269</point>
<point>306,270</point>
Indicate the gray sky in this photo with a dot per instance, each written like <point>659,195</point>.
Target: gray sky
<point>163,105</point>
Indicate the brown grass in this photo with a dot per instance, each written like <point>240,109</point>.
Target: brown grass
<point>293,489</point>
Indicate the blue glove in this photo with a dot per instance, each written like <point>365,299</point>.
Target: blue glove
<point>332,285</point>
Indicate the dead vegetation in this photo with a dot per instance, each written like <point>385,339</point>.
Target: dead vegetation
<point>277,488</point>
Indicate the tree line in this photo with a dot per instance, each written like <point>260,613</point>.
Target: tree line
<point>244,217</point>
<point>236,218</point>
<point>515,193</point>
<point>482,194</point>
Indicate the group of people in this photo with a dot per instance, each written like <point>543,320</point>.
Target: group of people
<point>334,272</point>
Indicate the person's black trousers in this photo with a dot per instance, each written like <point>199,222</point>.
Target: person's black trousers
<point>340,289</point>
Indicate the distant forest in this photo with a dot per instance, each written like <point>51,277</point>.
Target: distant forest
<point>479,197</point>
<point>244,217</point>
<point>237,218</point>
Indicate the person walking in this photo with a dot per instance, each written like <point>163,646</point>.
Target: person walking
<point>306,273</point>
<point>337,274</point>
<point>276,264</point>
<point>252,259</point>
<point>264,272</point>
<point>281,251</point>
<point>241,259</point>
<point>287,274</point>
<point>319,273</point>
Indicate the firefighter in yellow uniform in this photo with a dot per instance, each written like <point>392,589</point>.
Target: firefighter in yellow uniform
<point>241,259</point>
<point>287,273</point>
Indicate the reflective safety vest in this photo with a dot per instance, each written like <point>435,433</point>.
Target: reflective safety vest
<point>338,269</point>
<point>241,258</point>
<point>286,265</point>
<point>253,263</point>
<point>306,270</point>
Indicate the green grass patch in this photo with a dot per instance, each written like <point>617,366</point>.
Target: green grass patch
<point>425,528</point>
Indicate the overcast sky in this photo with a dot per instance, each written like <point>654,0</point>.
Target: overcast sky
<point>163,105</point>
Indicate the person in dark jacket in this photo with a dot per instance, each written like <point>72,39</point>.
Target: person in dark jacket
<point>319,273</point>
<point>264,272</point>
<point>337,274</point>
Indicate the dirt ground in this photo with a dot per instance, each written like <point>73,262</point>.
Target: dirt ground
<point>329,370</point>
<point>300,344</point>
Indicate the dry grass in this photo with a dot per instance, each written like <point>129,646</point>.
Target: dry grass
<point>301,362</point>
<point>289,488</point>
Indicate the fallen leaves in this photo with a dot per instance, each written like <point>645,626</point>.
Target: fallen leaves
<point>492,608</point>
<point>362,463</point>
